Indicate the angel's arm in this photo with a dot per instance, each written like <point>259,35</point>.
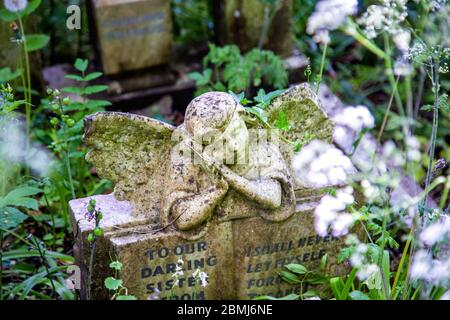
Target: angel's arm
<point>266,192</point>
<point>191,211</point>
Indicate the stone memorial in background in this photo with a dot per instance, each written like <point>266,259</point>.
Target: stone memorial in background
<point>241,22</point>
<point>217,193</point>
<point>132,34</point>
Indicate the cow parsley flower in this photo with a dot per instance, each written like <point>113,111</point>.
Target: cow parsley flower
<point>330,213</point>
<point>329,15</point>
<point>386,17</point>
<point>319,164</point>
<point>436,231</point>
<point>15,5</point>
<point>356,118</point>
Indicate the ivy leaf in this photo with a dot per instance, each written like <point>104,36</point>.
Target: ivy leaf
<point>116,265</point>
<point>36,41</point>
<point>11,217</point>
<point>358,295</point>
<point>7,75</point>
<point>81,65</point>
<point>282,122</point>
<point>95,89</point>
<point>240,98</point>
<point>112,283</point>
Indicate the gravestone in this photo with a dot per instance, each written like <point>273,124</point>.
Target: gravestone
<point>132,34</point>
<point>235,213</point>
<point>241,22</point>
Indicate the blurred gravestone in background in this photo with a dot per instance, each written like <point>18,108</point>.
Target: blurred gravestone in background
<point>242,22</point>
<point>132,34</point>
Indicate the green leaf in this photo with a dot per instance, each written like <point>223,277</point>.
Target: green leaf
<point>95,89</point>
<point>36,41</point>
<point>358,295</point>
<point>289,277</point>
<point>7,75</point>
<point>427,107</point>
<point>92,76</point>
<point>75,90</point>
<point>258,112</point>
<point>116,265</point>
<point>81,65</point>
<point>11,217</point>
<point>296,268</point>
<point>113,284</point>
<point>93,104</point>
<point>282,123</point>
<point>74,77</point>
<point>201,79</point>
<point>7,16</point>
<point>31,7</point>
<point>23,192</point>
<point>126,298</point>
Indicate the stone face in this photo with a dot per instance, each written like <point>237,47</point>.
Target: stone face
<point>133,34</point>
<point>242,23</point>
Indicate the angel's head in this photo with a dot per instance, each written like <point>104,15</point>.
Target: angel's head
<point>215,120</point>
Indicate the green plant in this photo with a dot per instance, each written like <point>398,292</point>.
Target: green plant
<point>115,284</point>
<point>230,70</point>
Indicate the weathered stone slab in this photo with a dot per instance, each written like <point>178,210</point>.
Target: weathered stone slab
<point>133,34</point>
<point>241,22</point>
<point>262,248</point>
<point>241,257</point>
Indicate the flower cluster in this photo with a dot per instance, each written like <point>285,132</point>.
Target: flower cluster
<point>329,15</point>
<point>330,213</point>
<point>386,17</point>
<point>319,164</point>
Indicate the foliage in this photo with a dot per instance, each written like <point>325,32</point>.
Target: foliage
<point>230,70</point>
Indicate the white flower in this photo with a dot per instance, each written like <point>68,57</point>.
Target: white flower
<point>421,265</point>
<point>330,213</point>
<point>445,296</point>
<point>329,15</point>
<point>402,67</point>
<point>436,231</point>
<point>319,164</point>
<point>15,5</point>
<point>384,18</point>
<point>201,277</point>
<point>402,39</point>
<point>356,118</point>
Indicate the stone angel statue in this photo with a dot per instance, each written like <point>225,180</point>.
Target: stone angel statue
<point>219,163</point>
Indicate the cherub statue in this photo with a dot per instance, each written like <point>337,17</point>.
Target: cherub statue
<point>210,165</point>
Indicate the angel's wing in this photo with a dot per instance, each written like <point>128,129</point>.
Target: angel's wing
<point>131,151</point>
<point>305,115</point>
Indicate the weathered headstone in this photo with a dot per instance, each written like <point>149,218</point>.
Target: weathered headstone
<point>132,34</point>
<point>238,216</point>
<point>242,23</point>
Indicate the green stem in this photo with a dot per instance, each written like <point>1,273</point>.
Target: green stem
<point>434,128</point>
<point>1,265</point>
<point>390,73</point>
<point>380,260</point>
<point>44,261</point>
<point>27,89</point>
<point>402,261</point>
<point>53,221</point>
<point>90,268</point>
<point>352,30</point>
<point>322,65</point>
